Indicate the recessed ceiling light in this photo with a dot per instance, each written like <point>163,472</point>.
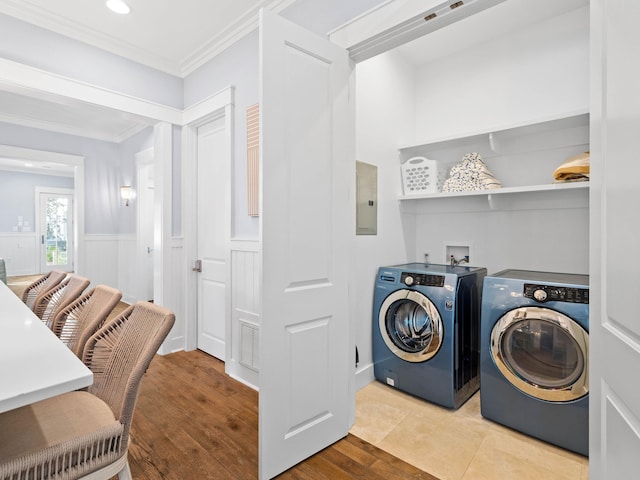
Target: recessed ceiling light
<point>118,6</point>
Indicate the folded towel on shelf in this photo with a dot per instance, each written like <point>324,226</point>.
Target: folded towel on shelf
<point>469,175</point>
<point>573,169</point>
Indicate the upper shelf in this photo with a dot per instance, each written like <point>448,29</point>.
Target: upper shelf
<point>523,156</point>
<point>497,135</point>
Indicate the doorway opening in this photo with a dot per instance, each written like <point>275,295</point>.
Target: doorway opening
<point>54,226</point>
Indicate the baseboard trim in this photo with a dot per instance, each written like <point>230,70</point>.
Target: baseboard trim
<point>364,376</point>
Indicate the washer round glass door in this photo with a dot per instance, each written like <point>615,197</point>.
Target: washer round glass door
<point>410,325</point>
<point>543,353</point>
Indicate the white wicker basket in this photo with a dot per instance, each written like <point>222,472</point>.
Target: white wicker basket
<point>420,176</point>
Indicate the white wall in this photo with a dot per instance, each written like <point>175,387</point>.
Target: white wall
<point>237,66</point>
<point>385,112</point>
<point>534,73</point>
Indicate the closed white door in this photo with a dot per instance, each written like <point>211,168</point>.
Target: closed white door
<point>307,354</point>
<point>213,237</point>
<point>615,230</point>
<point>55,229</point>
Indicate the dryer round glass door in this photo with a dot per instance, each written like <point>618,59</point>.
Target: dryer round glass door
<point>410,325</point>
<point>543,353</point>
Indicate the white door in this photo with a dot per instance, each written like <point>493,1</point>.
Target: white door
<point>146,215</point>
<point>213,237</point>
<point>307,223</point>
<point>55,229</point>
<point>615,230</point>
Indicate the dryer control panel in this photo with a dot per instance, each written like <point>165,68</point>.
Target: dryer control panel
<point>427,280</point>
<point>552,293</point>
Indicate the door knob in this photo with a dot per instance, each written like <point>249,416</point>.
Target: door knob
<point>198,266</point>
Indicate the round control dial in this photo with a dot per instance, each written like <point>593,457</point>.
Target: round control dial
<point>409,280</point>
<point>540,295</point>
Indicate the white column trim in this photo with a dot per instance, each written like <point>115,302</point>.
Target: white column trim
<point>33,82</point>
<point>162,212</point>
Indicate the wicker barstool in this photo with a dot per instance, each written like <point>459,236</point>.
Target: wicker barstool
<point>85,434</point>
<point>48,305</point>
<point>41,286</point>
<point>82,318</point>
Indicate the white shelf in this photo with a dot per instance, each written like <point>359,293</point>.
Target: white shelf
<point>503,132</point>
<point>502,191</point>
<point>522,156</point>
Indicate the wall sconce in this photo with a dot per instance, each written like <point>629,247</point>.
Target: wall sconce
<point>126,192</point>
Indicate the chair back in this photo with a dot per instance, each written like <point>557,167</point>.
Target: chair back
<point>3,271</point>
<point>120,352</point>
<point>41,286</point>
<point>83,317</point>
<point>48,305</point>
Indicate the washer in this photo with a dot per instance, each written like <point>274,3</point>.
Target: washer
<point>426,321</point>
<point>535,355</point>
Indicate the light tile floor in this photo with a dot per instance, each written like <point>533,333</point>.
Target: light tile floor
<point>457,444</point>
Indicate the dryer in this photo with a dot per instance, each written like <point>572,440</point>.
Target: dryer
<point>426,321</point>
<point>535,355</point>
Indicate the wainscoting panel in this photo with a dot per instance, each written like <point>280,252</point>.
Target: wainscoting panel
<point>244,364</point>
<point>102,260</point>
<point>174,298</point>
<point>18,249</point>
<point>127,274</point>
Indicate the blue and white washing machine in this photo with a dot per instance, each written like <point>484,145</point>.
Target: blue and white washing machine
<point>426,321</point>
<point>535,355</point>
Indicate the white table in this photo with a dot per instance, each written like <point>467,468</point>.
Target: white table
<point>34,363</point>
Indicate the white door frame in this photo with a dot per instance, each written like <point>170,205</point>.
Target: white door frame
<point>216,106</point>
<point>77,163</point>
<point>38,224</point>
<point>143,160</point>
<point>32,82</point>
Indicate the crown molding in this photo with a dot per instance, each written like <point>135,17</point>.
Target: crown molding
<point>214,46</point>
<point>236,31</point>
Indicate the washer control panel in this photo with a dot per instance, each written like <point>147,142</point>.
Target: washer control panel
<point>552,293</point>
<point>425,279</point>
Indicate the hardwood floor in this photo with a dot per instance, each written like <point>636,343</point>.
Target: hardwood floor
<point>194,422</point>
